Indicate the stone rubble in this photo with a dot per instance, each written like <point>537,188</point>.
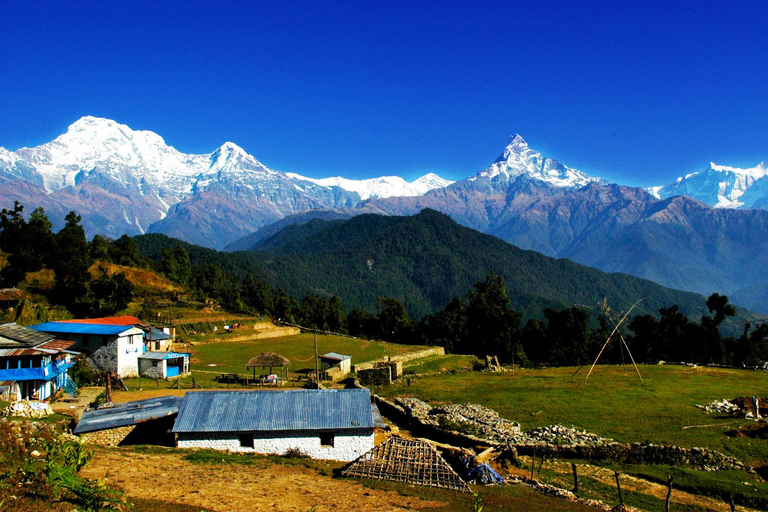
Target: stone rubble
<point>25,409</point>
<point>722,406</point>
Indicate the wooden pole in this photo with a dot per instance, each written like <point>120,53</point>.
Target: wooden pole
<point>611,336</point>
<point>618,486</point>
<point>669,494</point>
<point>317,369</point>
<point>575,479</point>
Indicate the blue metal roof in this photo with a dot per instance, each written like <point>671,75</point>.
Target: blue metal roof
<point>259,411</point>
<point>73,328</point>
<point>128,413</point>
<point>159,356</point>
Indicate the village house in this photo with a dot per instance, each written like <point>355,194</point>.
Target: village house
<point>154,338</point>
<point>169,364</point>
<point>333,424</point>
<point>33,365</point>
<point>88,337</point>
<point>335,366</point>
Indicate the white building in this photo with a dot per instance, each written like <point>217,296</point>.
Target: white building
<point>90,337</point>
<point>333,424</point>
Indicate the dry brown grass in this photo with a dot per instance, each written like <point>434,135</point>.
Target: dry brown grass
<point>42,280</point>
<point>142,279</point>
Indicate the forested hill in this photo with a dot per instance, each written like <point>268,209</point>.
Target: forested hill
<point>425,261</point>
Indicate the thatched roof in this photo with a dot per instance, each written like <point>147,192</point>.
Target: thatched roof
<point>268,359</point>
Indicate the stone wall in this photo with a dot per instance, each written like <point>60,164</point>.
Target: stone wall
<point>108,437</point>
<point>347,446</point>
<point>551,442</point>
<point>403,358</point>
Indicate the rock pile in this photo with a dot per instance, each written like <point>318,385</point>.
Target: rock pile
<point>563,436</point>
<point>722,406</point>
<point>481,421</point>
<point>108,437</point>
<point>25,409</point>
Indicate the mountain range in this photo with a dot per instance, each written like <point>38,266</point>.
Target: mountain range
<point>714,238</point>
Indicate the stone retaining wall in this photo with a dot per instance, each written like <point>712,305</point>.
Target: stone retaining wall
<point>109,437</point>
<point>402,358</point>
<point>416,415</point>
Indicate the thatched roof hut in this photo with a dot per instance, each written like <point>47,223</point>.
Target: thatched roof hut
<point>268,360</point>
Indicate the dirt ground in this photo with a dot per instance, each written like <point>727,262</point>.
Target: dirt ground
<point>169,478</point>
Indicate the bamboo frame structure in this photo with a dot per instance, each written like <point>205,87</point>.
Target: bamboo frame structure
<point>409,461</point>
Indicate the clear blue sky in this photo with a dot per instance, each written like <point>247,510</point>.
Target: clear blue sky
<point>637,92</point>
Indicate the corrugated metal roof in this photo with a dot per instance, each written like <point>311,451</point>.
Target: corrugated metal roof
<point>17,336</point>
<point>73,328</point>
<point>158,335</point>
<point>128,413</point>
<point>255,411</point>
<point>334,355</point>
<point>159,356</point>
<point>110,320</point>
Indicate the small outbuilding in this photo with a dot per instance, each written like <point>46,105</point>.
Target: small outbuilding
<point>170,364</point>
<point>333,424</point>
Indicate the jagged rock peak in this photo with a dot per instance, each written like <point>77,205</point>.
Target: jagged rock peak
<point>518,159</point>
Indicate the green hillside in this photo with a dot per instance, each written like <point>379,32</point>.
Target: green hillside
<point>424,261</point>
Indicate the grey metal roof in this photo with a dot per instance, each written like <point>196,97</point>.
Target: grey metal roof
<point>259,411</point>
<point>334,355</point>
<point>158,335</point>
<point>159,356</point>
<point>128,413</point>
<point>17,336</point>
<point>74,328</point>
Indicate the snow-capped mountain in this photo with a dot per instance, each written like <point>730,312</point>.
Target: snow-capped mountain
<point>385,186</point>
<point>722,186</point>
<point>518,159</point>
<point>130,181</point>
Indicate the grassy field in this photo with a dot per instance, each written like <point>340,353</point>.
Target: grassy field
<point>446,363</point>
<point>614,403</point>
<point>213,358</point>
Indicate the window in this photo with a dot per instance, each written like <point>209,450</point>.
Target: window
<point>246,440</point>
<point>326,439</point>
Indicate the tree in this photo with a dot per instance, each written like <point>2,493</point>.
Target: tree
<point>336,319</point>
<point>567,336</point>
<point>100,249</point>
<point>714,350</point>
<point>71,264</point>
<point>104,362</point>
<point>362,324</point>
<point>258,295</point>
<point>110,294</point>
<point>29,245</point>
<point>493,328</point>
<point>394,324</point>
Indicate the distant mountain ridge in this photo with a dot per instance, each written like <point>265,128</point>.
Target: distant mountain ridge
<point>425,261</point>
<point>128,181</point>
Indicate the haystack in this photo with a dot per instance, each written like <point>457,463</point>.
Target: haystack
<point>407,460</point>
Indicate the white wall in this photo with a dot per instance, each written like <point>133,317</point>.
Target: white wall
<point>129,348</point>
<point>347,446</point>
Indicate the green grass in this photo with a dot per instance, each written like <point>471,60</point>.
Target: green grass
<point>614,403</point>
<point>720,484</point>
<point>436,364</point>
<point>231,356</point>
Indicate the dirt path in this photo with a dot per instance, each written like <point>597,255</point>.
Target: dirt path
<point>226,487</point>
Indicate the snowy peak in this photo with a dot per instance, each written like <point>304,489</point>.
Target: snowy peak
<point>722,186</point>
<point>518,159</point>
<point>384,186</point>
